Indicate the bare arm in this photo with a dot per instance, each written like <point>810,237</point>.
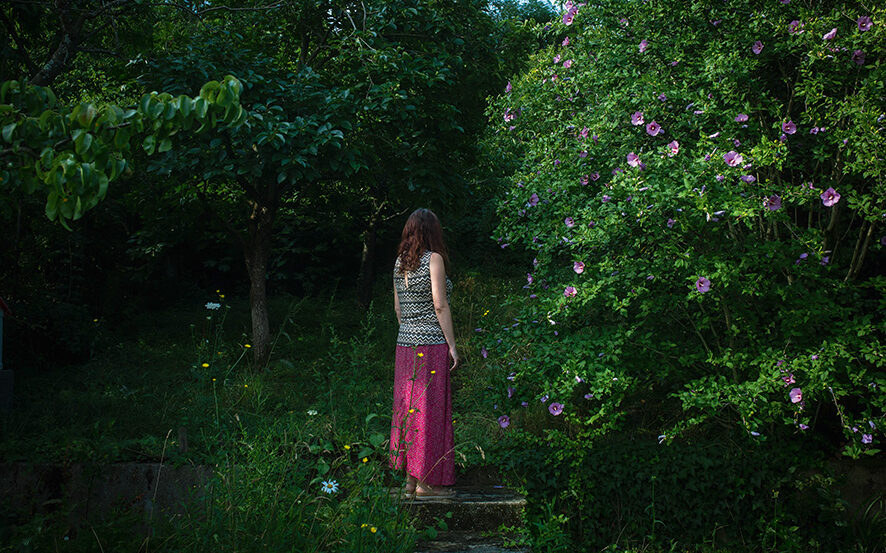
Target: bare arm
<point>397,304</point>
<point>441,304</point>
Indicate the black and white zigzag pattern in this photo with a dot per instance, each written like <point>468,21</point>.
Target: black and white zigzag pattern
<point>418,320</point>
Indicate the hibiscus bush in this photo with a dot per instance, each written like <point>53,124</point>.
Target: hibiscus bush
<point>699,193</point>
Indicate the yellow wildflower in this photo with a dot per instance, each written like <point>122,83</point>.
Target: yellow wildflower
<point>433,372</point>
<point>373,529</point>
<point>213,380</point>
<point>365,459</point>
<point>247,346</point>
<point>347,446</point>
<point>246,385</point>
<point>205,365</point>
<point>364,525</point>
<point>222,296</point>
<point>421,354</point>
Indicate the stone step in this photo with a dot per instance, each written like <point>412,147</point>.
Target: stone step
<point>467,542</point>
<point>473,508</point>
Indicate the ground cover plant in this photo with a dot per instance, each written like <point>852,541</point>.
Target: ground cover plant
<point>698,193</point>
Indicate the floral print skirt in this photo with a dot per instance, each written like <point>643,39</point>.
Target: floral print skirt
<point>421,428</point>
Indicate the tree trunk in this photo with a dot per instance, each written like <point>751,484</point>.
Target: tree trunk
<point>258,249</point>
<point>367,264</point>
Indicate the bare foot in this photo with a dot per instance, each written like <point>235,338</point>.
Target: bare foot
<point>437,491</point>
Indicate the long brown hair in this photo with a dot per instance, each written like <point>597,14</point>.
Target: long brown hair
<point>421,232</point>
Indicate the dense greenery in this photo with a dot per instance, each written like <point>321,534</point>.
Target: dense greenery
<point>694,192</point>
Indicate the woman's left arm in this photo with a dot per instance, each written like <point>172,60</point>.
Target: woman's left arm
<point>396,303</point>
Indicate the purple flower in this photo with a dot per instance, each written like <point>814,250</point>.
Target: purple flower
<point>789,127</point>
<point>673,148</point>
<point>533,200</point>
<point>529,278</point>
<point>605,198</point>
<point>754,433</point>
<point>589,396</point>
<point>583,180</point>
<point>569,222</point>
<point>566,41</point>
<point>825,260</point>
<point>578,267</point>
<point>543,398</point>
<point>569,291</point>
<point>814,357</point>
<point>864,23</point>
<point>569,15</point>
<point>509,115</point>
<point>653,128</point>
<point>637,118</point>
<point>720,178</point>
<point>814,130</point>
<point>733,158</point>
<point>555,408</point>
<point>644,44</point>
<point>741,118</point>
<point>583,154</point>
<point>830,197</point>
<point>774,202</point>
<point>663,97</point>
<point>788,379</point>
<point>557,58</point>
<point>702,284</point>
<point>804,426</point>
<point>484,353</point>
<point>508,88</point>
<point>873,426</point>
<point>504,421</point>
<point>567,64</point>
<point>795,27</point>
<point>748,178</point>
<point>858,57</point>
<point>671,222</point>
<point>633,159</point>
<point>511,392</point>
<point>757,47</point>
<point>594,176</point>
<point>796,395</point>
<point>830,35</point>
<point>866,438</point>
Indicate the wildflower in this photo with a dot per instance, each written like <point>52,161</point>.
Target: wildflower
<point>662,438</point>
<point>702,284</point>
<point>504,421</point>
<point>830,35</point>
<point>221,296</point>
<point>373,529</point>
<point>247,346</point>
<point>643,45</point>
<point>653,128</point>
<point>866,438</point>
<point>594,176</point>
<point>347,446</point>
<point>804,426</point>
<point>433,372</point>
<point>864,23</point>
<point>483,352</point>
<point>565,41</point>
<point>671,222</point>
<point>213,380</point>
<point>858,57</point>
<point>788,379</point>
<point>673,148</point>
<point>741,118</point>
<point>789,127</point>
<point>511,392</point>
<point>533,200</point>
<point>637,118</point>
<point>212,306</point>
<point>329,486</point>
<point>312,412</point>
<point>589,396</point>
<point>569,222</point>
<point>748,178</point>
<point>795,27</point>
<point>754,433</point>
<point>567,64</point>
<point>633,159</point>
<point>663,97</point>
<point>830,197</point>
<point>569,291</point>
<point>733,158</point>
<point>555,408</point>
<point>365,459</point>
<point>420,354</point>
<point>578,267</point>
<point>773,203</point>
<point>605,198</point>
<point>543,398</point>
<point>508,88</point>
<point>757,47</point>
<point>557,58</point>
<point>796,395</point>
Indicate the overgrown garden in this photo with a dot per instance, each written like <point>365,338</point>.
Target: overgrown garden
<point>667,221</point>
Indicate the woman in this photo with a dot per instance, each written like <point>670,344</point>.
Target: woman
<point>421,427</point>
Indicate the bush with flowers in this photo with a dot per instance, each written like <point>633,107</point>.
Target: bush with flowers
<point>699,192</point>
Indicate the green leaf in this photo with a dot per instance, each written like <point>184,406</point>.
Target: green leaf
<point>376,439</point>
<point>7,132</point>
<point>165,145</point>
<point>149,144</point>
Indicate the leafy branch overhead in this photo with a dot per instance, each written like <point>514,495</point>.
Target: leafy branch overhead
<point>71,154</point>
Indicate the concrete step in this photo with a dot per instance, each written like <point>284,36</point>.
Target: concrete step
<point>473,508</point>
<point>467,542</point>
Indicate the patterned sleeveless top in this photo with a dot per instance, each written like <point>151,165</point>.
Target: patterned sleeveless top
<point>418,319</point>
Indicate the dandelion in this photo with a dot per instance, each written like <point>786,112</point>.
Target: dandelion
<point>504,421</point>
<point>329,486</point>
<point>555,408</point>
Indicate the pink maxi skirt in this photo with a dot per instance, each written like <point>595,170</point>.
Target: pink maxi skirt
<point>421,428</point>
